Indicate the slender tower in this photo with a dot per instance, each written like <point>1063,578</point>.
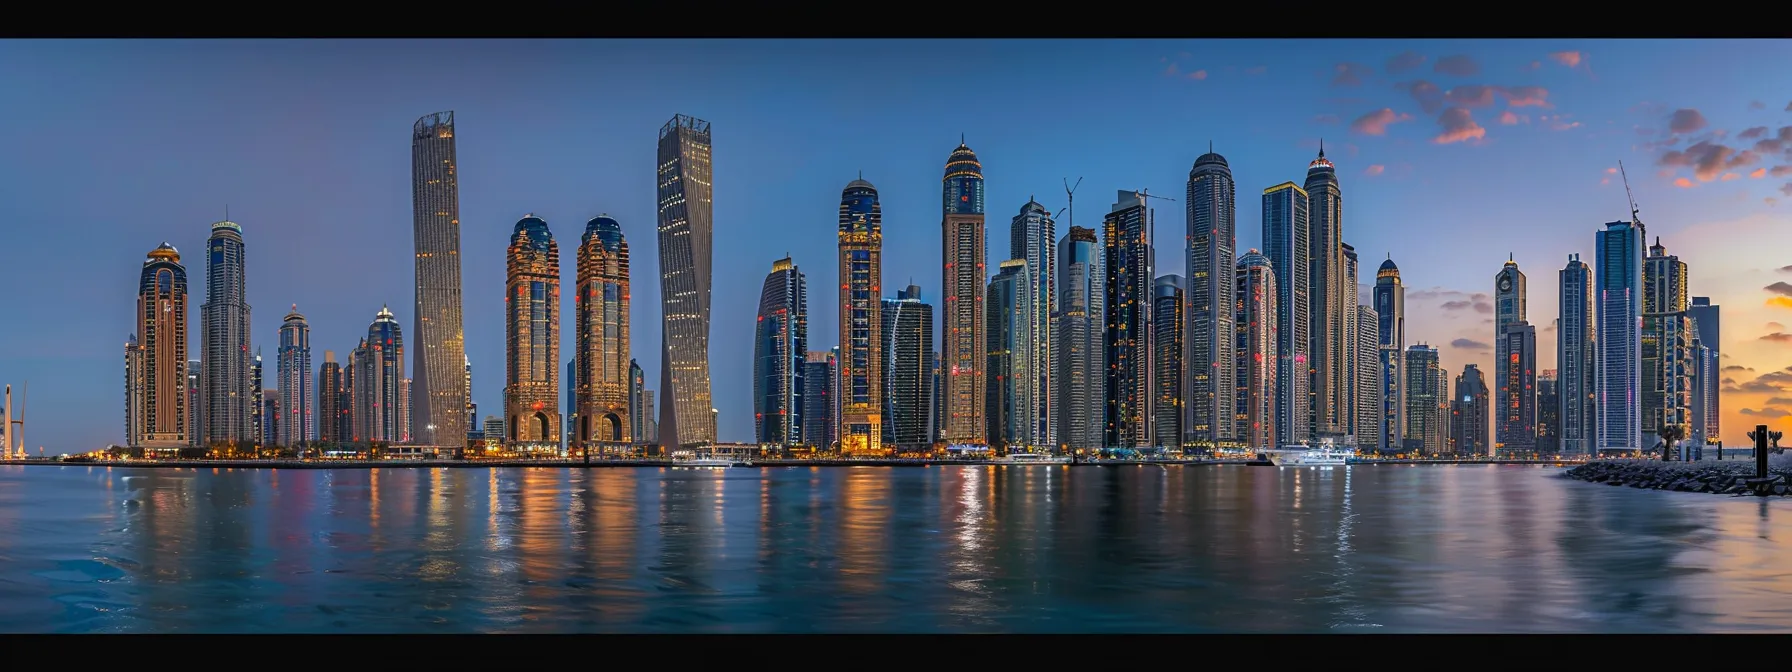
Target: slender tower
<point>1033,237</point>
<point>602,361</point>
<point>532,334</point>
<point>1508,311</point>
<point>294,370</point>
<point>1285,244</point>
<point>1256,352</point>
<point>440,398</point>
<point>1575,356</point>
<point>1210,306</point>
<point>963,329</point>
<point>1327,399</point>
<point>780,336</point>
<point>1079,335</point>
<point>861,320</point>
<point>1618,299</point>
<point>378,382</point>
<point>1126,242</point>
<point>1390,310</point>
<point>225,320</point>
<point>686,235</point>
<point>162,340</point>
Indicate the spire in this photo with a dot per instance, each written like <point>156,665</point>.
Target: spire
<point>1209,146</point>
<point>1509,256</point>
<point>861,173</point>
<point>961,139</point>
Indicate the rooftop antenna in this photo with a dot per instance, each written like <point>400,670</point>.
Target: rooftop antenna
<point>1634,218</point>
<point>1070,195</point>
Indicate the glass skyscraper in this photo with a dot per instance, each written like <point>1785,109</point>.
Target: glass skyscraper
<point>1126,244</point>
<point>161,406</point>
<point>1576,354</point>
<point>1167,379</point>
<point>780,348</point>
<point>962,330</point>
<point>293,366</point>
<point>1618,297</point>
<point>1257,376</point>
<point>1286,244</point>
<point>228,408</point>
<point>861,239</point>
<point>440,348</point>
<point>1080,344</point>
<point>532,337</point>
<point>1329,341</point>
<point>1033,237</point>
<point>908,371</point>
<point>1010,403</point>
<point>687,250</point>
<point>1209,336</point>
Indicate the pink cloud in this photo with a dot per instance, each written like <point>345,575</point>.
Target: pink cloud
<point>1771,201</point>
<point>1780,171</point>
<point>1708,161</point>
<point>1758,173</point>
<point>1509,118</point>
<point>1752,133</point>
<point>1375,169</point>
<point>1729,176</point>
<point>1559,122</point>
<point>1684,183</point>
<point>1568,58</point>
<point>1458,126</point>
<point>1429,97</point>
<point>1351,74</point>
<point>1457,66</point>
<point>1686,120</point>
<point>1470,95</point>
<point>1611,171</point>
<point>1525,96</point>
<point>1198,75</point>
<point>1376,123</point>
<point>1172,70</point>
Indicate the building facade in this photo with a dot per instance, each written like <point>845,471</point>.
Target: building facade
<point>296,392</point>
<point>160,400</point>
<point>1287,245</point>
<point>819,376</point>
<point>133,395</point>
<point>1707,327</point>
<point>962,329</point>
<point>1009,406</point>
<point>908,371</point>
<point>1576,357</point>
<point>532,338</point>
<point>1390,311</point>
<point>1618,299</point>
<point>1517,371</point>
<point>687,253</point>
<point>780,346</point>
<point>1126,245</point>
<point>1169,344</point>
<point>378,383</point>
<point>861,430</point>
<point>637,404</point>
<point>1328,407</point>
<point>1365,375</point>
<point>1549,413</point>
<point>1469,413</point>
<point>601,364</point>
<point>1427,427</point>
<point>1508,310</point>
<point>439,342</point>
<point>227,406</point>
<point>1080,370</point>
<point>1210,338</point>
<point>329,413</point>
<point>1666,345</point>
<point>1257,376</point>
<point>257,428</point>
<point>1033,237</point>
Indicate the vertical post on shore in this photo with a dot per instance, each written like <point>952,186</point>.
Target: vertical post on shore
<point>1760,437</point>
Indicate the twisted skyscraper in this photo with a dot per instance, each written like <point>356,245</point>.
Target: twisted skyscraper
<point>440,348</point>
<point>686,235</point>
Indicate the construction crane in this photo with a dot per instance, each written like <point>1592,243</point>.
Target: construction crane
<point>1070,196</point>
<point>1152,214</point>
<point>1642,231</point>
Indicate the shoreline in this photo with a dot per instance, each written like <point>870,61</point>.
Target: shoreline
<point>646,463</point>
<point>1729,477</point>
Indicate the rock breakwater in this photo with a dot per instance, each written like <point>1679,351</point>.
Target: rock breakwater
<point>1720,478</point>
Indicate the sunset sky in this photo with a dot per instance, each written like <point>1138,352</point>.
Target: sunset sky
<point>1451,155</point>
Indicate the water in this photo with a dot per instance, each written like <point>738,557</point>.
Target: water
<point>940,549</point>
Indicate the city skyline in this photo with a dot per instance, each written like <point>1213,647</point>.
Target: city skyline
<point>1386,184</point>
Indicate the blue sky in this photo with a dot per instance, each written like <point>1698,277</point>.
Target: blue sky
<point>115,146</point>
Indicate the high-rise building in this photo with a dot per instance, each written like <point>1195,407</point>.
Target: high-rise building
<point>532,337</point>
<point>1327,356</point>
<point>1208,357</point>
<point>1347,393</point>
<point>1390,310</point>
<point>270,418</point>
<point>1667,337</point>
<point>653,426</point>
<point>1576,354</point>
<point>1427,430</point>
<point>687,250</point>
<point>1169,344</point>
<point>294,370</point>
<point>602,361</point>
<point>472,425</point>
<point>1126,244</point>
<point>133,394</point>
<point>1469,411</point>
<point>569,413</point>
<point>1509,309</point>
<point>1618,297</point>
<point>861,320</point>
<point>1080,345</point>
<point>257,428</point>
<point>348,431</point>
<point>224,321</point>
<point>494,428</point>
<point>637,404</point>
<point>818,399</point>
<point>1010,371</point>
<point>1705,388</point>
<point>962,330</point>
<point>1287,245</point>
<point>780,348</point>
<point>908,371</point>
<point>1256,352</point>
<point>329,411</point>
<point>1707,324</point>
<point>1033,236</point>
<point>195,437</point>
<point>162,415</point>
<point>438,341</point>
<point>1366,376</point>
<point>1549,413</point>
<point>378,383</point>
<point>1517,373</point>
<point>937,411</point>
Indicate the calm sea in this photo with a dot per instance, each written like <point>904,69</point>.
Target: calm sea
<point>940,549</point>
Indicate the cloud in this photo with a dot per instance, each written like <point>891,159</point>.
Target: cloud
<point>1684,183</point>
<point>1457,66</point>
<point>1351,74</point>
<point>1758,173</point>
<point>1458,126</point>
<point>1469,344</point>
<point>1778,143</point>
<point>1508,118</point>
<point>1327,119</point>
<point>1375,169</point>
<point>1198,75</point>
<point>1456,305</point>
<point>1779,302</point>
<point>1780,401</point>
<point>1752,133</point>
<point>1256,70</point>
<point>1171,70</point>
<point>1770,201</point>
<point>1686,120</point>
<point>1780,171</point>
<point>1483,307</point>
<point>1780,288</point>
<point>1707,160</point>
<point>1775,326</point>
<point>1568,58</point>
<point>1789,107</point>
<point>1786,189</point>
<point>1737,367</point>
<point>1729,176</point>
<point>1558,122</point>
<point>1435,293</point>
<point>1376,123</point>
<point>1765,413</point>
<point>1772,382</point>
<point>1756,105</point>
<point>1525,96</point>
<point>1405,62</point>
<point>1429,97</point>
<point>1786,269</point>
<point>1470,95</point>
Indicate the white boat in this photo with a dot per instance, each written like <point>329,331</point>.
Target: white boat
<point>688,460</point>
<point>1032,458</point>
<point>1325,455</point>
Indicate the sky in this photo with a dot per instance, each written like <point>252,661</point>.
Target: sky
<point>1452,155</point>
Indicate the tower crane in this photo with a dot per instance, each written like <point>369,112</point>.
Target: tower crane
<point>1070,197</point>
<point>1642,231</point>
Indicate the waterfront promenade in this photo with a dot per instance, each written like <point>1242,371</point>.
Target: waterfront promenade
<point>574,463</point>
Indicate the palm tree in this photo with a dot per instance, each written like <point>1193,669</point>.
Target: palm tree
<point>1670,435</point>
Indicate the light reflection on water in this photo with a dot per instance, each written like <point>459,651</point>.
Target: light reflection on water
<point>937,549</point>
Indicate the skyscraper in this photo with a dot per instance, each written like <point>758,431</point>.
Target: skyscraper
<point>1256,352</point>
<point>780,348</point>
<point>1210,339</point>
<point>962,330</point>
<point>1549,412</point>
<point>861,320</point>
<point>1168,343</point>
<point>378,384</point>
<point>329,400</point>
<point>1427,428</point>
<point>224,319</point>
<point>294,369</point>
<point>532,337</point>
<point>1618,296</point>
<point>1705,389</point>
<point>1468,414</point>
<point>637,404</point>
<point>570,413</point>
<point>818,400</point>
<point>161,403</point>
<point>1288,246</point>
<point>1576,354</point>
<point>686,237</point>
<point>937,414</point>
<point>352,430</point>
<point>1706,320</point>
<point>1347,393</point>
<point>1010,372</point>
<point>1033,236</point>
<point>195,437</point>
<point>270,418</point>
<point>441,396</point>
<point>1517,372</point>
<point>472,425</point>
<point>257,428</point>
<point>1666,344</point>
<point>1080,344</point>
<point>1509,309</point>
<point>602,361</point>
<point>134,394</point>
<point>1328,405</point>
<point>1366,376</point>
<point>1126,242</point>
<point>908,371</point>
<point>1390,310</point>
